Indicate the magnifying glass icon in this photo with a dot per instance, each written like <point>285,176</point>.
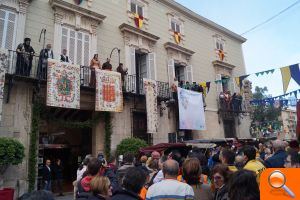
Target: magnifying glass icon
<point>277,180</point>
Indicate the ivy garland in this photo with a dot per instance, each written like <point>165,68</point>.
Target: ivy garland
<point>35,121</point>
<point>107,134</point>
<point>77,124</point>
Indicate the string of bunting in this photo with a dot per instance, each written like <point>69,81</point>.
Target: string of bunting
<point>278,100</point>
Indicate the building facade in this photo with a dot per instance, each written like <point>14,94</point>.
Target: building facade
<point>289,123</point>
<point>159,40</point>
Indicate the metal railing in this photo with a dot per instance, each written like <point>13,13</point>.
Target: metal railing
<point>31,66</point>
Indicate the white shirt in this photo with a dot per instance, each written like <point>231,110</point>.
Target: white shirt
<point>80,173</point>
<point>159,177</point>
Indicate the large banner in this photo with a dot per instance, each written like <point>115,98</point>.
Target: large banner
<point>109,95</point>
<point>191,110</point>
<point>151,105</point>
<point>3,69</point>
<point>63,85</point>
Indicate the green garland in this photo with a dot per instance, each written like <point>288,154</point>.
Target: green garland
<point>73,124</point>
<point>35,121</point>
<point>108,133</point>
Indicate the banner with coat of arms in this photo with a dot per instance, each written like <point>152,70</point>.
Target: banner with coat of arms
<point>177,37</point>
<point>109,94</point>
<point>191,110</point>
<point>138,20</point>
<point>63,85</point>
<point>3,69</point>
<point>150,87</point>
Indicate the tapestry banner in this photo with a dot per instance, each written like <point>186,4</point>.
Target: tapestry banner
<point>3,70</point>
<point>150,87</point>
<point>191,110</point>
<point>63,85</point>
<point>109,95</point>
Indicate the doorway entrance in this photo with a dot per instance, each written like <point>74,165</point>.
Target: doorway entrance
<point>139,121</point>
<point>141,70</point>
<point>229,128</point>
<point>179,72</point>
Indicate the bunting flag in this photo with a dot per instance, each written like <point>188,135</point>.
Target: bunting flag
<point>295,73</point>
<point>177,37</point>
<point>239,81</point>
<point>267,72</point>
<point>150,87</point>
<point>208,86</point>
<point>286,77</point>
<point>63,85</point>
<point>109,94</point>
<point>138,20</point>
<point>3,69</point>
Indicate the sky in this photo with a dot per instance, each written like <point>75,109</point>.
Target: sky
<point>273,45</point>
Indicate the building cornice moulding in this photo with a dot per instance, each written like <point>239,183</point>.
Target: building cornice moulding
<point>198,18</point>
<point>127,28</point>
<point>175,47</point>
<point>218,63</point>
<point>77,9</point>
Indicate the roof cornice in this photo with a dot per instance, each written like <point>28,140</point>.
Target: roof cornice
<point>198,18</point>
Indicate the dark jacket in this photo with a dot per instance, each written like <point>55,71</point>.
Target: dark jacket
<point>46,174</point>
<point>58,172</point>
<point>96,197</point>
<point>125,195</point>
<point>111,173</point>
<point>64,58</point>
<point>222,194</point>
<point>277,160</point>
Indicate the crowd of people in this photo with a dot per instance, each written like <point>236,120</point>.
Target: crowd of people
<point>230,172</point>
<point>231,102</point>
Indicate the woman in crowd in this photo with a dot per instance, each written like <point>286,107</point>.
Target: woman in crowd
<point>243,186</point>
<point>220,177</point>
<point>95,64</point>
<point>101,188</point>
<point>191,174</point>
<point>292,160</point>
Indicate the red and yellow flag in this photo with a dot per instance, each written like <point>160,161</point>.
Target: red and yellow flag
<point>138,20</point>
<point>221,54</point>
<point>177,37</point>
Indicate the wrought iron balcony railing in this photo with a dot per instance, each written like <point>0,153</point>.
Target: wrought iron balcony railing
<point>30,66</point>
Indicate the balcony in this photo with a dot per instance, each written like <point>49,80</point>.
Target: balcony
<point>29,71</point>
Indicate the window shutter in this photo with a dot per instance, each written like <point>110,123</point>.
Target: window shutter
<point>71,48</point>
<point>79,49</point>
<point>219,85</point>
<point>151,66</point>
<point>86,50</point>
<point>64,39</point>
<point>132,61</point>
<point>171,71</point>
<point>1,31</point>
<point>10,31</point>
<point>189,74</point>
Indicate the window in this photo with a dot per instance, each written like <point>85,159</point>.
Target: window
<point>179,73</point>
<point>78,45</point>
<point>135,8</point>
<point>175,26</point>
<point>220,44</point>
<point>7,29</point>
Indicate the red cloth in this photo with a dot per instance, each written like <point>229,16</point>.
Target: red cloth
<point>298,121</point>
<point>85,183</point>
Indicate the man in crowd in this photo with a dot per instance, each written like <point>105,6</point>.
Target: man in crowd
<point>45,54</point>
<point>134,180</point>
<point>107,65</point>
<point>169,187</point>
<point>127,163</point>
<point>277,160</point>
<point>251,163</point>
<point>160,176</point>
<point>25,54</point>
<point>227,157</point>
<point>122,71</point>
<point>47,175</point>
<point>64,57</point>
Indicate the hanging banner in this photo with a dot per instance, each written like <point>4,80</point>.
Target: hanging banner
<point>63,84</point>
<point>138,20</point>
<point>3,69</point>
<point>150,87</point>
<point>191,110</point>
<point>177,37</point>
<point>109,94</point>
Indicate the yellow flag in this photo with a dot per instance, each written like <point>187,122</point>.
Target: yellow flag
<point>286,77</point>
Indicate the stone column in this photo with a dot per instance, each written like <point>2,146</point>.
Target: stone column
<point>58,17</point>
<point>23,4</point>
<point>98,137</point>
<point>94,47</point>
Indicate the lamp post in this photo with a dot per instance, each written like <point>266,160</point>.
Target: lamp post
<point>119,50</point>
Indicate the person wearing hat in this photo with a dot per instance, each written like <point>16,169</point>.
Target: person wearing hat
<point>25,54</point>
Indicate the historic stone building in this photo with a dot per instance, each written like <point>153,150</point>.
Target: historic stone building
<point>157,39</point>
